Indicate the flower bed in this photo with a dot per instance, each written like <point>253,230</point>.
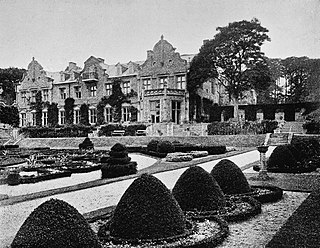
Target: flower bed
<point>40,174</point>
<point>178,157</point>
<point>81,167</point>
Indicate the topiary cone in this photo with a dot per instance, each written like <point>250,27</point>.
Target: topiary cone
<point>230,178</point>
<point>55,223</point>
<point>147,210</point>
<point>196,189</point>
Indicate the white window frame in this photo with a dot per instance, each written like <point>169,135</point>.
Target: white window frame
<point>77,92</point>
<point>76,114</point>
<point>92,116</point>
<point>45,118</point>
<point>126,87</point>
<point>126,114</point>
<point>45,95</point>
<point>23,119</point>
<point>181,82</point>
<point>108,114</point>
<point>63,93</point>
<point>62,117</point>
<point>147,83</point>
<point>108,89</point>
<point>93,90</point>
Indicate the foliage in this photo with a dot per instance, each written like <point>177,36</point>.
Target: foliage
<point>116,99</point>
<point>282,160</point>
<point>153,145</point>
<point>234,57</point>
<point>297,71</point>
<point>38,105</point>
<point>55,223</point>
<point>110,170</point>
<point>165,147</point>
<point>68,107</point>
<point>197,190</point>
<point>53,114</point>
<point>9,115</point>
<point>230,177</point>
<point>86,144</point>
<point>51,132</point>
<point>247,127</point>
<point>8,78</point>
<point>84,115</point>
<point>147,210</point>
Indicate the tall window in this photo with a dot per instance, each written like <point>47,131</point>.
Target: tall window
<point>147,84</point>
<point>126,87</point>
<point>181,82</point>
<point>23,96</point>
<point>125,114</point>
<point>23,119</point>
<point>33,95</point>
<point>162,82</point>
<point>76,116</point>
<point>45,95</point>
<point>62,117</point>
<point>77,91</point>
<point>93,116</point>
<point>63,93</point>
<point>44,118</point>
<point>93,90</point>
<point>176,112</point>
<point>155,111</point>
<point>34,119</point>
<point>108,89</point>
<point>108,115</point>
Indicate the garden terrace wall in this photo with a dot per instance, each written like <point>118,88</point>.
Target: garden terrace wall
<point>108,142</point>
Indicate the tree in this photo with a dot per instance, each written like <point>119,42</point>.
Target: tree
<point>84,114</point>
<point>230,55</point>
<point>116,99</point>
<point>68,107</point>
<point>53,114</point>
<point>8,78</point>
<point>297,71</point>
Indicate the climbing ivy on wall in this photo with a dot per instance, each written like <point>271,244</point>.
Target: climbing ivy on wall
<point>115,100</point>
<point>68,107</point>
<point>52,114</point>
<point>37,106</point>
<point>84,114</point>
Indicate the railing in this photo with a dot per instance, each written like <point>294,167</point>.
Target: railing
<point>154,92</point>
<point>179,92</point>
<point>89,76</point>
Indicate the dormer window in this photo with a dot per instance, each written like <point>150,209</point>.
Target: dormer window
<point>63,93</point>
<point>93,90</point>
<point>181,82</point>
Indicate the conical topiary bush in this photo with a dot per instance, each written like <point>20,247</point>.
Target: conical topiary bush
<point>118,163</point>
<point>55,223</point>
<point>233,182</point>
<point>230,178</point>
<point>196,189</point>
<point>147,210</point>
<point>281,160</point>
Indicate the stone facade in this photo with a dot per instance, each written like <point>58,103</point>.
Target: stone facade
<point>155,87</point>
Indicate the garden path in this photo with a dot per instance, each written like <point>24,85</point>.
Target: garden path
<point>90,199</point>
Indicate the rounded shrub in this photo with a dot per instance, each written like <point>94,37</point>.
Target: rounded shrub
<point>153,145</point>
<point>196,189</point>
<point>118,154</point>
<point>55,223</point>
<point>230,177</point>
<point>147,210</point>
<point>281,160</point>
<point>165,147</point>
<point>118,147</point>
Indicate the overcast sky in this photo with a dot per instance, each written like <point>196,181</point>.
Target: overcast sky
<point>58,31</point>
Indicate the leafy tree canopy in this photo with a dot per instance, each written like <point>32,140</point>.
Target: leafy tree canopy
<point>233,56</point>
<point>8,77</point>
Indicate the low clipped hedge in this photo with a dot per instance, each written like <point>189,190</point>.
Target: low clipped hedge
<point>118,170</point>
<point>130,130</point>
<point>230,177</point>
<point>153,145</point>
<point>147,210</point>
<point>53,224</point>
<point>212,150</point>
<point>196,189</point>
<point>165,147</point>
